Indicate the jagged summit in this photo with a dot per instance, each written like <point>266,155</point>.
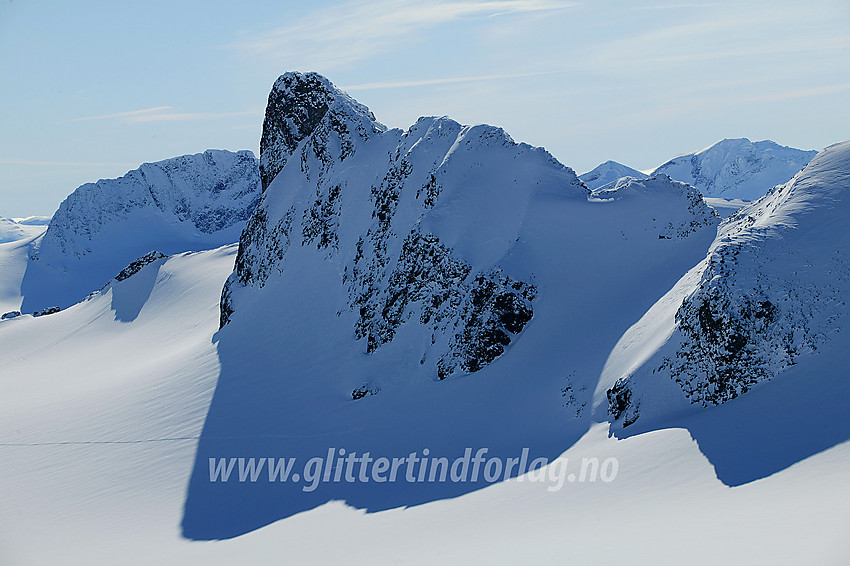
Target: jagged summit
<point>420,223</point>
<point>299,104</point>
<point>737,168</point>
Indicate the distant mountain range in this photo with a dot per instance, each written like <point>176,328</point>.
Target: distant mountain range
<point>609,172</point>
<point>731,168</point>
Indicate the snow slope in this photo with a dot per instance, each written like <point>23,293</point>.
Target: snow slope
<point>609,172</point>
<point>98,444</point>
<point>193,202</point>
<point>725,207</point>
<point>13,265</point>
<point>12,230</point>
<point>737,168</point>
<point>769,297</point>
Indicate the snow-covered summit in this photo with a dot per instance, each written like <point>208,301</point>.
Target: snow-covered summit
<point>737,168</point>
<point>186,203</point>
<point>609,172</point>
<point>33,220</point>
<point>770,294</point>
<point>196,196</point>
<point>679,209</point>
<point>423,224</point>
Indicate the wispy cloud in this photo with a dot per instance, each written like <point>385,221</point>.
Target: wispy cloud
<point>132,114</point>
<point>675,6</point>
<point>694,106</point>
<point>449,80</point>
<point>164,114</point>
<point>749,34</point>
<point>358,30</point>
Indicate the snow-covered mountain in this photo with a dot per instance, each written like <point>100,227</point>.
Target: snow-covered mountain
<point>415,277</point>
<point>737,168</point>
<point>418,223</point>
<point>431,291</point>
<point>33,220</point>
<point>12,230</point>
<point>609,172</point>
<point>192,202</point>
<point>771,294</point>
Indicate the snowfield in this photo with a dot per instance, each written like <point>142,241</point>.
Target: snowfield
<point>98,444</point>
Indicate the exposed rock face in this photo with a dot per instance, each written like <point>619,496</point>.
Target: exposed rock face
<point>308,105</point>
<point>368,200</point>
<point>472,282</point>
<point>46,311</point>
<point>138,264</point>
<point>772,290</point>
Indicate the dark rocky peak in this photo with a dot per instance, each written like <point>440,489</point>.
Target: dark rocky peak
<point>301,105</point>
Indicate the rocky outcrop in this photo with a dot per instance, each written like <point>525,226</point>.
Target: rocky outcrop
<point>303,105</point>
<point>138,264</point>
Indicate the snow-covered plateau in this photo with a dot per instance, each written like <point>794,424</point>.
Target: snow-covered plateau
<point>428,291</point>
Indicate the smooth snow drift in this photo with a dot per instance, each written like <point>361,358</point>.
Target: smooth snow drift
<point>12,230</point>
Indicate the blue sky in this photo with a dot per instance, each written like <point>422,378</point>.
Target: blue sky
<point>90,89</point>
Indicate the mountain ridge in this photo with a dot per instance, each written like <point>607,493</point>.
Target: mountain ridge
<point>185,203</point>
